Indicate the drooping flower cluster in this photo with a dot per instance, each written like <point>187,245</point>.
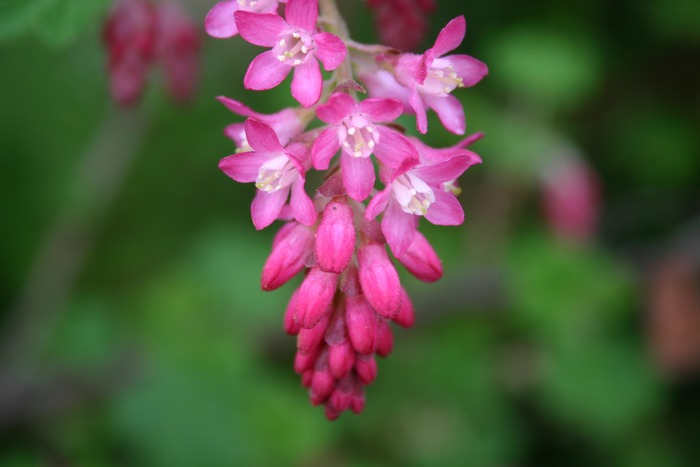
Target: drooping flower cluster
<point>337,238</point>
<point>138,34</point>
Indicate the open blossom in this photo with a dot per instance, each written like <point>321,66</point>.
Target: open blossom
<point>431,78</point>
<point>296,44</point>
<point>423,190</point>
<point>220,23</point>
<point>286,123</point>
<point>276,170</point>
<point>352,127</point>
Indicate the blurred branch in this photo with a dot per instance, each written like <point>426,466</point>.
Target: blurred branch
<point>68,239</point>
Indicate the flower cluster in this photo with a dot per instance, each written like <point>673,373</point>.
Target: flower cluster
<point>350,293</point>
<point>137,35</point>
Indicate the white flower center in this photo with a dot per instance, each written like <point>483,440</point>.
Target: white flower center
<point>254,5</point>
<point>294,47</point>
<point>413,194</point>
<point>276,174</point>
<point>442,78</point>
<point>358,136</point>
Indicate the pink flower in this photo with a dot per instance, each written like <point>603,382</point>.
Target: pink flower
<point>286,123</point>
<point>220,23</point>
<point>420,191</point>
<point>431,78</point>
<point>178,50</point>
<point>335,237</point>
<point>276,171</point>
<point>130,37</point>
<point>352,128</point>
<point>295,44</point>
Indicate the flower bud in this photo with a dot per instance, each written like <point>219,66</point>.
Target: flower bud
<point>315,297</point>
<point>379,280</point>
<point>335,237</point>
<point>366,368</point>
<point>406,316</point>
<point>384,340</point>
<point>290,325</point>
<point>361,323</point>
<point>293,243</point>
<point>341,358</point>
<point>421,260</point>
<point>309,339</point>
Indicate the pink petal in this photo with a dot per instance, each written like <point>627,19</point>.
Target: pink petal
<point>219,22</point>
<point>236,132</point>
<point>315,297</point>
<point>324,148</point>
<point>259,29</point>
<point>265,72</point>
<point>330,49</point>
<point>450,112</point>
<point>358,176</point>
<point>339,106</point>
<point>302,207</point>
<point>378,204</point>
<point>267,206</point>
<point>469,69</point>
<point>261,137</point>
<point>335,237</point>
<point>406,316</point>
<point>288,256</point>
<point>243,167</point>
<point>302,14</point>
<point>379,280</point>
<point>381,110</point>
<point>451,36</point>
<point>307,82</point>
<point>444,171</point>
<point>446,210</point>
<point>393,148</point>
<point>298,153</point>
<point>416,102</point>
<point>361,323</point>
<point>398,227</point>
<point>236,107</point>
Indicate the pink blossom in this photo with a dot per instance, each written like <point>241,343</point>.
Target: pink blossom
<point>296,44</point>
<point>335,236</point>
<point>293,245</point>
<point>419,191</point>
<point>276,171</point>
<point>431,78</point>
<point>130,37</point>
<point>379,280</point>
<point>353,128</point>
<point>178,50</point>
<point>421,260</point>
<point>220,23</point>
<point>286,123</point>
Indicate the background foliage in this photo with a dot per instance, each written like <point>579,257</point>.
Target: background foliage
<point>149,341</point>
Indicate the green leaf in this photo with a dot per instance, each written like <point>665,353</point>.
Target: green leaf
<point>18,16</point>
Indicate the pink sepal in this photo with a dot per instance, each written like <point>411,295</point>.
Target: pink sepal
<point>421,260</point>
<point>309,339</point>
<point>366,368</point>
<point>288,256</point>
<point>335,237</point>
<point>361,324</point>
<point>315,297</point>
<point>379,280</point>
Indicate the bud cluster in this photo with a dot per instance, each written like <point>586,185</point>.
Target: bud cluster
<point>139,34</point>
<point>351,292</point>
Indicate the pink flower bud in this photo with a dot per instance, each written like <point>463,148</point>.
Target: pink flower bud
<point>341,398</point>
<point>306,361</point>
<point>323,383</point>
<point>291,326</point>
<point>306,378</point>
<point>361,323</point>
<point>421,260</point>
<point>309,339</point>
<point>315,297</point>
<point>178,50</point>
<point>357,404</point>
<point>335,237</point>
<point>366,368</point>
<point>406,316</point>
<point>331,414</point>
<point>384,338</point>
<point>341,358</point>
<point>289,251</point>
<point>379,280</point>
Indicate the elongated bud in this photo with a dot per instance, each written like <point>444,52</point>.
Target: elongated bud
<point>290,325</point>
<point>289,252</point>
<point>421,260</point>
<point>335,237</point>
<point>406,316</point>
<point>366,368</point>
<point>341,358</point>
<point>305,361</point>
<point>384,338</point>
<point>315,297</point>
<point>309,339</point>
<point>323,383</point>
<point>361,322</point>
<point>357,403</point>
<point>350,281</point>
<point>379,280</point>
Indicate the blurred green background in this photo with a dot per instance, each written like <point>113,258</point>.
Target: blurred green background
<point>134,332</point>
